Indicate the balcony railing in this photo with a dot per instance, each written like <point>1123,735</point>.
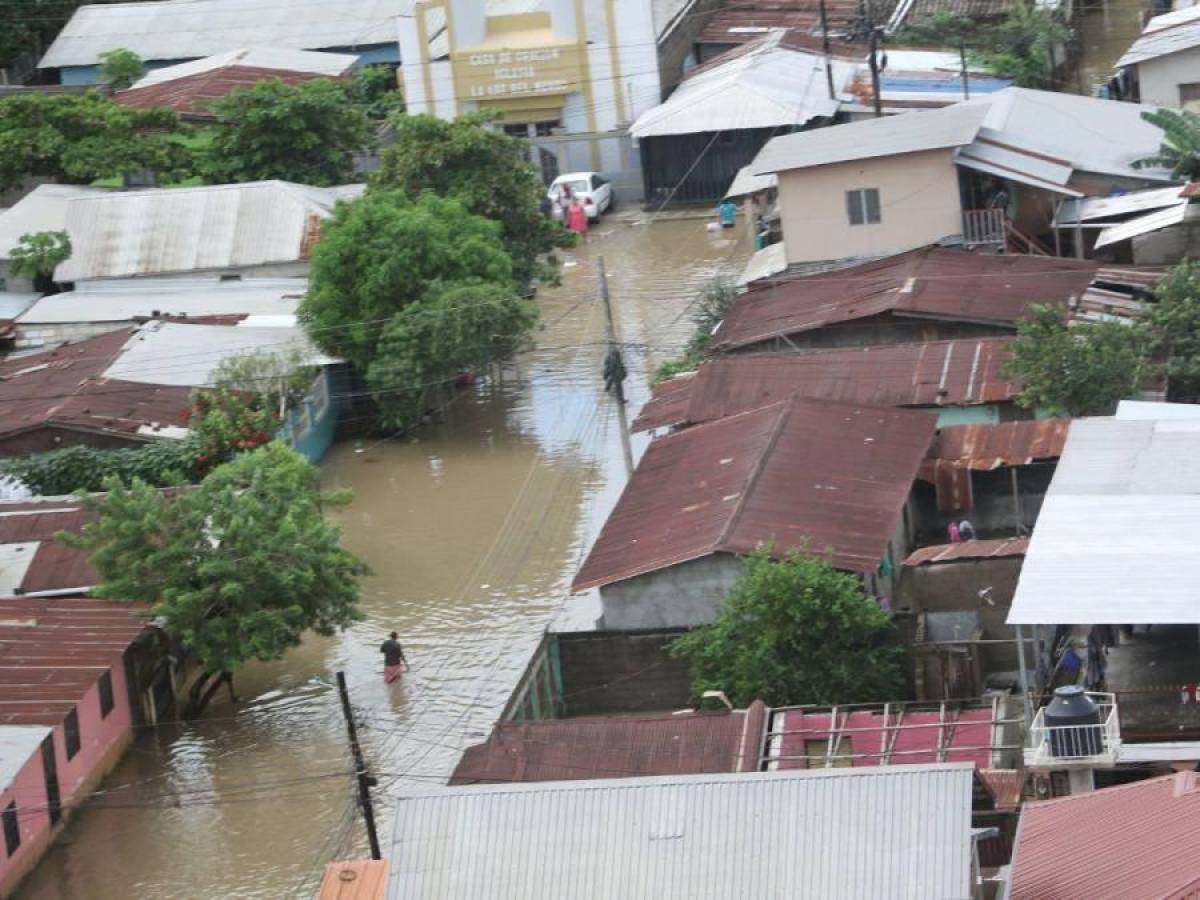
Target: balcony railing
<point>984,227</point>
<point>1064,746</point>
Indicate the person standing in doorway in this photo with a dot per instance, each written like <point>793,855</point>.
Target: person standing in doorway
<point>394,662</point>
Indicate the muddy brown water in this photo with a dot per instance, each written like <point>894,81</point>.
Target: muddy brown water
<point>1106,28</point>
<point>474,528</point>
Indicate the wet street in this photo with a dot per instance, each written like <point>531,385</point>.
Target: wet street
<point>473,528</point>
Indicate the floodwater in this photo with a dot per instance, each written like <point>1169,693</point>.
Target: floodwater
<point>1106,28</point>
<point>473,528</point>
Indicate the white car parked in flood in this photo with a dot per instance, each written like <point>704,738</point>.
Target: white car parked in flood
<point>593,191</point>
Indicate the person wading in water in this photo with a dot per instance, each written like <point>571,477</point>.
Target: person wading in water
<point>394,662</point>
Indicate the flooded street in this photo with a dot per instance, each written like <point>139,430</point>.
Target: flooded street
<point>1106,28</point>
<point>473,528</point>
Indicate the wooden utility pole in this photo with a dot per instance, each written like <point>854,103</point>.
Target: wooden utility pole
<point>614,369</point>
<point>365,780</point>
<point>875,71</point>
<point>825,45</point>
<point>962,61</point>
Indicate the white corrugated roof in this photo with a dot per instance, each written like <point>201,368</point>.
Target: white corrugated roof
<point>17,744</point>
<point>746,182</point>
<point>767,87</point>
<point>125,299</point>
<point>42,209</point>
<point>952,126</point>
<point>878,832</point>
<point>1093,208</point>
<point>14,563</point>
<point>1153,221</point>
<point>1163,35</point>
<point>167,230</point>
<point>1115,537</point>
<point>189,29</point>
<point>281,58</point>
<point>187,355</point>
<point>770,260</point>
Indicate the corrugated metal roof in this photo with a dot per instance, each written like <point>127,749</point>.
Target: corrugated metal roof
<point>172,353</point>
<point>1115,531</point>
<point>951,126</point>
<point>17,744</point>
<point>932,282</point>
<point>174,230</point>
<point>829,475</point>
<point>68,387</point>
<point>42,209</point>
<point>124,300</point>
<point>52,650</point>
<point>746,182</point>
<point>1163,35</point>
<point>189,29</point>
<point>966,550</point>
<point>739,21</point>
<point>1150,222</point>
<point>615,747</point>
<point>188,87</point>
<point>355,879</point>
<point>667,404</point>
<point>883,832</point>
<point>1092,209</point>
<point>770,260</point>
<point>52,565</point>
<point>1122,843</point>
<point>987,446</point>
<point>769,86</point>
<point>935,374</point>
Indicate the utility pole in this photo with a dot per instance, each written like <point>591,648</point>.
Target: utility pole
<point>365,780</point>
<point>875,70</point>
<point>825,44</point>
<point>962,59</point>
<point>614,369</point>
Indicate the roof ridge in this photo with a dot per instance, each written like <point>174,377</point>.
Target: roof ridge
<point>786,410</point>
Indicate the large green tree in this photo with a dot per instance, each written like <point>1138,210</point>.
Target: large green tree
<point>1174,323</point>
<point>486,170</point>
<point>412,290</point>
<point>1075,370</point>
<point>37,255</point>
<point>80,138</point>
<point>794,631</point>
<point>237,568</point>
<point>305,132</point>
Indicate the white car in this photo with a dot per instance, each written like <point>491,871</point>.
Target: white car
<point>594,192</point>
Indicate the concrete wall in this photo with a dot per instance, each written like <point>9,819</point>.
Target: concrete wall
<point>681,596</point>
<point>43,440</point>
<point>884,329</point>
<point>311,428</point>
<point>1167,247</point>
<point>918,196</point>
<point>676,49</point>
<point>606,673</point>
<point>35,335</point>
<point>1159,79</point>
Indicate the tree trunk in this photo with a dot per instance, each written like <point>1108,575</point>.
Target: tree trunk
<point>204,689</point>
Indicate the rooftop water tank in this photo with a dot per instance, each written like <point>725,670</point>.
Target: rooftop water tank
<point>1071,706</point>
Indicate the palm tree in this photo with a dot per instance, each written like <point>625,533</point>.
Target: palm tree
<point>1180,150</point>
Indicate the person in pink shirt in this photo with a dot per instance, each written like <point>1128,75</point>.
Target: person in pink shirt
<point>577,219</point>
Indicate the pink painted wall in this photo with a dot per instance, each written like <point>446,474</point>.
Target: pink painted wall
<point>97,738</point>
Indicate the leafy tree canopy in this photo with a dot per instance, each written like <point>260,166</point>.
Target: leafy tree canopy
<point>37,255</point>
<point>1075,370</point>
<point>1180,150</point>
<point>237,569</point>
<point>120,68</point>
<point>1022,47</point>
<point>1174,323</point>
<point>305,132</point>
<point>486,171</point>
<point>794,631</point>
<point>375,91</point>
<point>281,378</point>
<point>79,138</point>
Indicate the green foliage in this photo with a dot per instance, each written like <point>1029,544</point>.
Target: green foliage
<point>375,91</point>
<point>451,330</point>
<point>304,132</point>
<point>83,469</point>
<point>713,304</point>
<point>1078,370</point>
<point>1180,151</point>
<point>28,26</point>
<point>38,254</point>
<point>486,171</point>
<point>794,631</point>
<point>225,422</point>
<point>1174,323</point>
<point>1022,47</point>
<point>80,138</point>
<point>120,68</point>
<point>281,378</point>
<point>236,569</point>
<point>942,29</point>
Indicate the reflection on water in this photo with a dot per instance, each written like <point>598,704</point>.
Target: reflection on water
<point>473,529</point>
<point>1106,28</point>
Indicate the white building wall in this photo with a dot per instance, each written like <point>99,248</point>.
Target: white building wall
<point>1159,79</point>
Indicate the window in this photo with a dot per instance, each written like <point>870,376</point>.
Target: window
<point>598,182</point>
<point>862,207</point>
<point>12,829</point>
<point>106,697</point>
<point>1189,96</point>
<point>71,733</point>
<point>818,757</point>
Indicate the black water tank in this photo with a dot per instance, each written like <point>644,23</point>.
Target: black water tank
<point>1071,706</point>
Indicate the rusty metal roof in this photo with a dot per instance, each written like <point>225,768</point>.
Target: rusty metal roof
<point>985,446</point>
<point>741,21</point>
<point>831,476</point>
<point>965,550</point>
<point>931,282</point>
<point>52,650</point>
<point>32,524</point>
<point>615,747</point>
<point>1132,841</point>
<point>355,879</point>
<point>65,387</point>
<point>191,94</point>
<point>938,373</point>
